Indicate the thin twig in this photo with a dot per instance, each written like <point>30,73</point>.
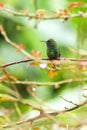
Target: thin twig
<point>35,2</point>
<point>70,109</point>
<point>13,43</point>
<point>56,61</point>
<point>21,122</point>
<point>17,94</point>
<point>68,101</point>
<point>14,63</point>
<point>50,83</point>
<point>46,17</point>
<point>42,114</point>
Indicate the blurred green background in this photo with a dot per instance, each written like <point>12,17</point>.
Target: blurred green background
<point>68,34</point>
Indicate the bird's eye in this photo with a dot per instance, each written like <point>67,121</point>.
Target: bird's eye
<point>49,41</point>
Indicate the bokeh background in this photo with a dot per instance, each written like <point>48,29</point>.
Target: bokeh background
<point>69,35</point>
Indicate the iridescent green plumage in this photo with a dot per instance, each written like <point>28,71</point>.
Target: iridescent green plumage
<point>52,51</point>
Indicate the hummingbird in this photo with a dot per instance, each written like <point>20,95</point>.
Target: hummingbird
<point>52,51</point>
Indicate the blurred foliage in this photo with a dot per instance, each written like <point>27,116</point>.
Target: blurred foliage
<point>72,33</point>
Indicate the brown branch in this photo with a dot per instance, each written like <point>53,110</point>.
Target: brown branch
<point>43,113</point>
<point>46,17</point>
<point>56,61</point>
<point>29,55</point>
<point>69,101</point>
<point>22,122</point>
<point>70,109</point>
<point>14,63</point>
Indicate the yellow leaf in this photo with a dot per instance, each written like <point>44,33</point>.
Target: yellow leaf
<point>51,65</point>
<point>5,97</point>
<point>13,78</point>
<point>36,128</point>
<point>52,73</point>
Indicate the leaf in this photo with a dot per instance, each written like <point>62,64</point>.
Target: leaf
<point>24,11</point>
<point>40,13</point>
<point>74,4</point>
<point>51,65</point>
<point>1,27</point>
<point>6,97</point>
<point>21,46</point>
<point>13,77</point>
<point>63,13</point>
<point>35,63</point>
<point>54,12</point>
<point>83,63</point>
<point>52,73</point>
<point>4,77</point>
<point>36,54</point>
<point>36,128</point>
<point>1,4</point>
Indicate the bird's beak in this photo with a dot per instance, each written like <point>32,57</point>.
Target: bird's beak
<point>42,41</point>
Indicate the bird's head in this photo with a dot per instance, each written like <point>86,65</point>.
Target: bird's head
<point>50,43</point>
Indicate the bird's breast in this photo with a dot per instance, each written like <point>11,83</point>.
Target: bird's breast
<point>52,53</point>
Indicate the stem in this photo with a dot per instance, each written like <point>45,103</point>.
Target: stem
<point>45,59</point>
<point>50,83</point>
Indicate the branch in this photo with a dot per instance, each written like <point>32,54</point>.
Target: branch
<point>69,101</point>
<point>14,63</point>
<point>43,113</point>
<point>70,109</point>
<point>43,16</point>
<point>21,122</point>
<point>56,61</point>
<point>31,58</point>
<point>13,43</point>
<point>50,83</point>
<point>35,2</point>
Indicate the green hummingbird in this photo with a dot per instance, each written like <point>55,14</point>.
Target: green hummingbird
<point>52,51</point>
